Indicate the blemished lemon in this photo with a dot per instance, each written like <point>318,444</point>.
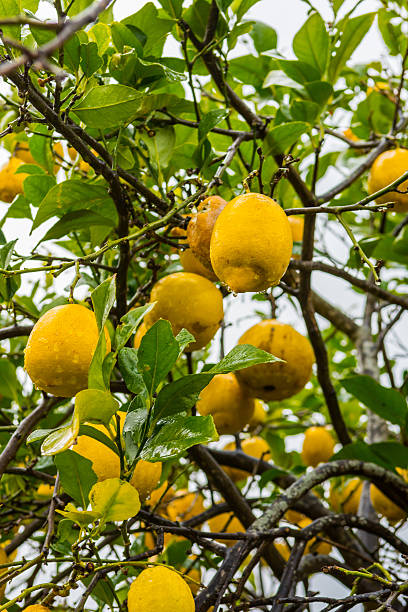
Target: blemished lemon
<point>185,505</point>
<point>259,416</point>
<point>226,523</point>
<point>188,260</point>
<point>318,446</point>
<point>60,348</point>
<point>159,589</point>
<point>255,447</point>
<point>345,497</point>
<point>11,184</point>
<point>200,228</point>
<point>277,381</point>
<point>314,545</point>
<point>190,301</point>
<point>251,243</point>
<point>387,168</point>
<point>228,402</point>
<point>384,506</point>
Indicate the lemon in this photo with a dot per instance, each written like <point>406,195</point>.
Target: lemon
<point>159,589</point>
<point>83,165</point>
<point>297,224</point>
<point>259,416</point>
<point>318,446</point>
<point>60,348</point>
<point>195,574</point>
<point>11,184</point>
<point>226,523</point>
<point>313,545</point>
<point>188,260</point>
<point>251,243</point>
<point>384,506</point>
<point>146,477</point>
<point>277,381</point>
<point>140,332</point>
<point>190,301</point>
<point>45,490</point>
<point>185,505</point>
<point>294,517</point>
<point>282,548</point>
<point>36,608</point>
<point>388,167</point>
<point>346,496</point>
<point>228,403</point>
<point>3,559</point>
<point>22,151</point>
<point>255,447</point>
<point>200,228</point>
<point>160,498</point>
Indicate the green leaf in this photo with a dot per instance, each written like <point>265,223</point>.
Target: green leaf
<point>109,105</point>
<point>77,6</point>
<point>153,28</point>
<point>281,137</point>
<point>73,195</point>
<point>175,435</point>
<point>90,61</point>
<point>184,338</point>
<point>37,186</point>
<point>305,110</point>
<point>75,221</point>
<point>264,36</point>
<point>311,43</point>
<point>134,426</point>
<point>129,322</point>
<point>128,366</point>
<point>387,403</point>
<point>8,379</point>
<point>160,146</point>
<point>241,7</point>
<point>387,454</point>
<point>95,406</point>
<point>319,91</point>
<point>60,440</point>
<point>180,395</point>
<point>353,32</point>
<point>77,476</point>
<point>173,7</point>
<point>80,517</point>
<point>209,121</point>
<point>299,71</point>
<point>72,53</point>
<point>10,8</point>
<point>242,356</point>
<point>103,298</point>
<point>157,354</point>
<point>391,33</point>
<point>114,500</point>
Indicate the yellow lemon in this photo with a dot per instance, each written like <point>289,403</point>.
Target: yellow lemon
<point>277,381</point>
<point>146,477</point>
<point>251,243</point>
<point>226,523</point>
<point>3,559</point>
<point>345,497</point>
<point>36,608</point>
<point>140,332</point>
<point>11,184</point>
<point>255,447</point>
<point>45,490</point>
<point>190,263</point>
<point>282,548</point>
<point>293,516</point>
<point>259,416</point>
<point>160,498</point>
<point>185,505</point>
<point>318,446</point>
<point>228,402</point>
<point>159,589</point>
<point>200,228</point>
<point>190,301</point>
<point>384,506</point>
<point>60,348</point>
<point>83,165</point>
<point>22,151</point>
<point>313,545</point>
<point>388,167</point>
<point>297,224</point>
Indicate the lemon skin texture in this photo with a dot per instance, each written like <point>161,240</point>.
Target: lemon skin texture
<point>200,228</point>
<point>60,348</point>
<point>388,167</point>
<point>346,497</point>
<point>159,589</point>
<point>190,263</point>
<point>146,477</point>
<point>11,184</point>
<point>36,608</point>
<point>318,446</point>
<point>227,523</point>
<point>255,447</point>
<point>228,402</point>
<point>277,381</point>
<point>251,243</point>
<point>190,301</point>
<point>185,505</point>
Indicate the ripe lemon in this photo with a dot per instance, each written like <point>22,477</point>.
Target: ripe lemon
<point>297,224</point>
<point>251,243</point>
<point>228,402</point>
<point>388,167</point>
<point>140,332</point>
<point>259,416</point>
<point>190,301</point>
<point>22,151</point>
<point>384,506</point>
<point>185,505</point>
<point>293,516</point>
<point>60,348</point>
<point>345,497</point>
<point>188,260</point>
<point>227,523</point>
<point>45,491</point>
<point>36,608</point>
<point>318,446</point>
<point>146,477</point>
<point>255,447</point>
<point>11,184</point>
<point>195,574</point>
<point>159,589</point>
<point>160,498</point>
<point>282,548</point>
<point>277,381</point>
<point>3,559</point>
<point>200,228</point>
<point>313,545</point>
<point>83,165</point>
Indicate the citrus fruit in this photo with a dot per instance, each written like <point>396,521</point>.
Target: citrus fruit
<point>190,301</point>
<point>45,491</point>
<point>259,416</point>
<point>3,559</point>
<point>36,608</point>
<point>251,243</point>
<point>282,548</point>
<point>60,348</point>
<point>194,573</point>
<point>318,446</point>
<point>200,228</point>
<point>160,498</point>
<point>140,332</point>
<point>297,224</point>
<point>188,260</point>
<point>345,496</point>
<point>255,447</point>
<point>277,381</point>
<point>314,545</point>
<point>388,167</point>
<point>146,477</point>
<point>227,523</point>
<point>11,184</point>
<point>228,403</point>
<point>83,165</point>
<point>22,151</point>
<point>159,589</point>
<point>294,517</point>
<point>384,506</point>
<point>184,505</point>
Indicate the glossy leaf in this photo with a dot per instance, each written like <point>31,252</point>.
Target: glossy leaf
<point>242,356</point>
<point>114,500</point>
<point>128,365</point>
<point>157,354</point>
<point>311,43</point>
<point>76,475</point>
<point>95,406</point>
<point>180,395</point>
<point>352,34</point>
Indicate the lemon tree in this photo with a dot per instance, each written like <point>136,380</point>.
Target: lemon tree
<point>203,271</point>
